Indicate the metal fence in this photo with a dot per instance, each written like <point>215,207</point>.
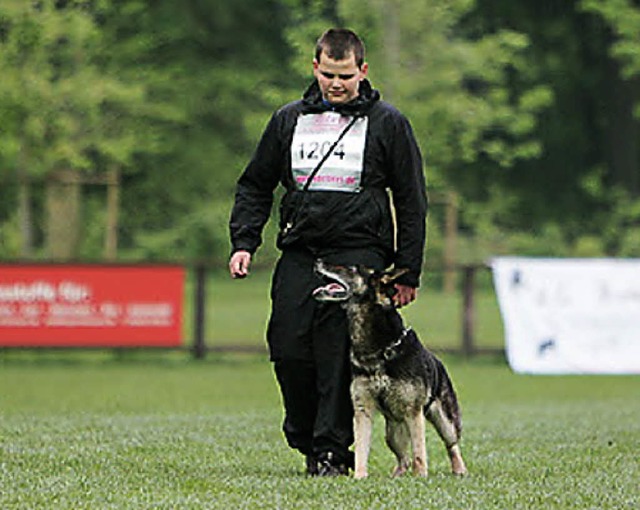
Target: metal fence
<point>467,345</point>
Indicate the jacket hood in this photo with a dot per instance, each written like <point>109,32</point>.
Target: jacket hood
<point>367,96</point>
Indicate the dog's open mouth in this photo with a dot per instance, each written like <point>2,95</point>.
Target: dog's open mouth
<point>331,292</point>
<point>336,290</point>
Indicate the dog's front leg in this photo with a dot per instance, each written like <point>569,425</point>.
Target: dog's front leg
<point>418,443</point>
<point>362,425</point>
<point>363,407</point>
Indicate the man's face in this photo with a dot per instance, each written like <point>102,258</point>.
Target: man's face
<point>338,79</point>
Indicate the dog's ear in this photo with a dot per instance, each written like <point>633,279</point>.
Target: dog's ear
<point>391,276</point>
<point>386,288</point>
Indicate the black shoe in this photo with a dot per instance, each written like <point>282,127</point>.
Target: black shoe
<point>327,466</point>
<point>312,465</point>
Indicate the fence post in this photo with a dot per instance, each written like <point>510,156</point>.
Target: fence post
<point>199,348</point>
<point>468,310</point>
<point>451,229</point>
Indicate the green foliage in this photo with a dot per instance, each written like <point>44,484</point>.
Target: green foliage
<point>624,18</point>
<point>154,88</point>
<point>65,109</point>
<point>309,20</point>
<point>455,88</point>
<point>10,237</point>
<point>200,234</point>
<point>196,59</point>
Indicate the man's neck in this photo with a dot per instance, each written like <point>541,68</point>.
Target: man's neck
<point>331,105</point>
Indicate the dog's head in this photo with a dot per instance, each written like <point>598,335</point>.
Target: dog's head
<point>356,283</point>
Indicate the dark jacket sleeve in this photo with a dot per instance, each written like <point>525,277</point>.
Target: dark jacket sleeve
<point>409,201</point>
<point>255,187</point>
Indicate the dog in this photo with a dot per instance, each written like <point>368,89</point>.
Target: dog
<point>391,372</point>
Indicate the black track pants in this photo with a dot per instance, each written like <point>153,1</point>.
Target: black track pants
<point>309,345</point>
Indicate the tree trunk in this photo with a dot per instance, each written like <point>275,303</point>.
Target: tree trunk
<point>25,216</point>
<point>25,212</point>
<point>623,130</point>
<point>391,45</point>
<point>63,215</point>
<point>113,199</point>
<point>450,241</point>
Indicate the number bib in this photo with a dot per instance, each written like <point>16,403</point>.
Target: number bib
<point>313,137</point>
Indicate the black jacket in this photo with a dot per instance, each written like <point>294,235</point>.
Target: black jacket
<point>334,220</point>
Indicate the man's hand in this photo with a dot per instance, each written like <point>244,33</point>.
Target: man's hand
<point>239,264</point>
<point>404,295</point>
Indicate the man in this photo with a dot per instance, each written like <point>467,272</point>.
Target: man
<point>336,152</point>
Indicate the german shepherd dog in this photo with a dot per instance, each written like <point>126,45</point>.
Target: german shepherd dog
<point>391,371</point>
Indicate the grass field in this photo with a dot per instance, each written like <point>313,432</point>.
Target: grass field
<point>150,430</point>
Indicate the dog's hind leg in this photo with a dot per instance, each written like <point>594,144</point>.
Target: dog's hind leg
<point>399,442</point>
<point>448,431</point>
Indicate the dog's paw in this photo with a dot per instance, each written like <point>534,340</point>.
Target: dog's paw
<point>399,471</point>
<point>458,467</point>
<point>460,471</point>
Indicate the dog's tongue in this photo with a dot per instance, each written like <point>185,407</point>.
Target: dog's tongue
<point>333,289</point>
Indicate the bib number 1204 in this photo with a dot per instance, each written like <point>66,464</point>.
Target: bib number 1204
<point>317,150</point>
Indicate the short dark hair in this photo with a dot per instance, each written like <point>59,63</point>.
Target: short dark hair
<point>337,43</point>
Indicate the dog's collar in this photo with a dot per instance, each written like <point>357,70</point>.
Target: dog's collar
<point>392,351</point>
<point>389,353</point>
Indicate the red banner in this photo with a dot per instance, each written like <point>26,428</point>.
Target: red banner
<point>91,306</point>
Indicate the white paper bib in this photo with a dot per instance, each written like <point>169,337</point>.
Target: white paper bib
<point>313,137</point>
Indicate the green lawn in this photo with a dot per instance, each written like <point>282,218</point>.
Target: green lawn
<point>157,430</point>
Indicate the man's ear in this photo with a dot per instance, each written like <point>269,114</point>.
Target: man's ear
<point>364,71</point>
<point>392,275</point>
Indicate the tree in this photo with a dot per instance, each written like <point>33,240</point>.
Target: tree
<point>223,66</point>
<point>623,16</point>
<point>469,95</point>
<point>66,112</point>
<point>524,109</point>
<point>589,136</point>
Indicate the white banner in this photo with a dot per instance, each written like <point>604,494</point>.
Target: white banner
<point>570,315</point>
